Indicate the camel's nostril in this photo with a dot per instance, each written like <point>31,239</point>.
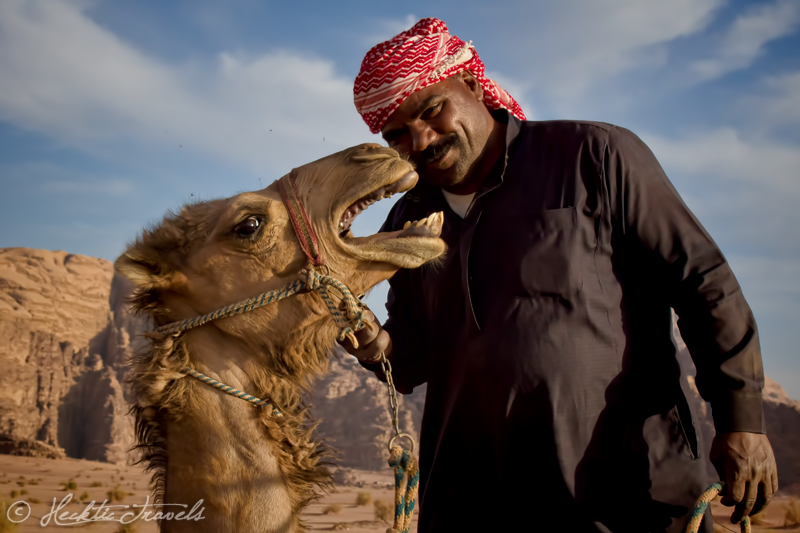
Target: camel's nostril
<point>369,157</point>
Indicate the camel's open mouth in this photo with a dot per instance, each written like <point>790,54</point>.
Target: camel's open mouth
<point>430,227</point>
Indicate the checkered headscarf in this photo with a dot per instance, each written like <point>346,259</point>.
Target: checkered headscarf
<point>424,55</point>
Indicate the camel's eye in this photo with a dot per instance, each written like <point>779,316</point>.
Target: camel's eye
<point>247,227</point>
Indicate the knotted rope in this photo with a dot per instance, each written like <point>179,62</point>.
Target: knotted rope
<point>311,278</point>
<point>406,469</point>
<point>702,504</point>
<point>406,484</point>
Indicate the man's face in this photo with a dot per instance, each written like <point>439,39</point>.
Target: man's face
<point>442,129</point>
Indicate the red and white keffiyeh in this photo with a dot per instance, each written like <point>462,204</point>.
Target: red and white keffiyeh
<point>414,59</point>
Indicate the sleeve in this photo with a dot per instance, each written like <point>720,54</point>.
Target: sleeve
<point>405,325</point>
<point>714,319</point>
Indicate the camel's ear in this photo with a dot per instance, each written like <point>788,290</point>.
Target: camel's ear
<point>145,268</point>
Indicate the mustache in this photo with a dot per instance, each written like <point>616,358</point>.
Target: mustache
<point>434,152</point>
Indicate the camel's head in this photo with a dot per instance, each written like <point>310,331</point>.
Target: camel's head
<point>216,253</point>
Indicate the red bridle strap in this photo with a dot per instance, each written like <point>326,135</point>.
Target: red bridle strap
<point>300,222</point>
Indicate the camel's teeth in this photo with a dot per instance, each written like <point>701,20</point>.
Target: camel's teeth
<point>407,225</point>
<point>435,223</point>
<point>422,222</point>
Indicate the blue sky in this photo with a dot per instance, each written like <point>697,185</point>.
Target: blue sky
<point>112,112</point>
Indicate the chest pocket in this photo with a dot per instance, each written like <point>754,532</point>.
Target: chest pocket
<point>547,253</point>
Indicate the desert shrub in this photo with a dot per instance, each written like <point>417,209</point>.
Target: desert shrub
<point>69,485</point>
<point>84,496</point>
<point>116,494</point>
<point>23,492</point>
<point>96,484</point>
<point>792,517</point>
<point>34,500</point>
<point>13,494</point>
<point>384,511</point>
<point>6,525</point>
<point>334,508</point>
<point>20,483</point>
<point>363,498</point>
<point>33,482</point>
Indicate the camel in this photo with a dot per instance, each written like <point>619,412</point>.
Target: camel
<point>254,468</point>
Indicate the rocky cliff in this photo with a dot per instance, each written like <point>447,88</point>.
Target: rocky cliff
<point>65,332</point>
<point>353,409</point>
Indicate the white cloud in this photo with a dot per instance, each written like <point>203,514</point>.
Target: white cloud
<point>518,91</point>
<point>745,191</point>
<point>783,106</point>
<point>68,78</point>
<point>747,37</point>
<point>567,47</point>
<point>723,154</point>
<point>385,29</point>
<point>44,177</point>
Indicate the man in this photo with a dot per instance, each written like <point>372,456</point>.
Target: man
<point>554,399</point>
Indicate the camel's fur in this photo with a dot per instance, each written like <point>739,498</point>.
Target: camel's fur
<point>193,263</point>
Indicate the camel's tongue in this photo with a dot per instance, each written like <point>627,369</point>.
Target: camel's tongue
<point>403,184</point>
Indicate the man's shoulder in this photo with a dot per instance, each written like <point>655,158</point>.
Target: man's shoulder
<point>575,133</point>
<point>578,127</point>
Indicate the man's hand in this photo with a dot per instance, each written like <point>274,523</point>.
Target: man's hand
<point>745,462</point>
<point>372,341</point>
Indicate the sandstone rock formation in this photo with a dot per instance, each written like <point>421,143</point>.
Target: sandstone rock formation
<point>64,335</point>
<point>353,409</point>
<point>65,332</point>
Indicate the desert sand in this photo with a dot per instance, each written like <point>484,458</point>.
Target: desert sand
<point>44,480</point>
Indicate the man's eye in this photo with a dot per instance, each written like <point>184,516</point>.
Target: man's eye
<point>432,111</point>
<point>247,227</point>
<point>392,136</point>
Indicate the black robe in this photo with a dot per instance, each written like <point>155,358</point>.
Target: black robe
<point>554,400</point>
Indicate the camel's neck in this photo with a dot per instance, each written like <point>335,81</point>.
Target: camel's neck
<point>218,450</point>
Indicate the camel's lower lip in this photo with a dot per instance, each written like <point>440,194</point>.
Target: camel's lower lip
<point>429,227</point>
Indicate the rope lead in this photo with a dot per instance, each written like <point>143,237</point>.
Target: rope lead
<point>702,504</point>
<point>406,484</point>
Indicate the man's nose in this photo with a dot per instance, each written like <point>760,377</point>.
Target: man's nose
<point>422,136</point>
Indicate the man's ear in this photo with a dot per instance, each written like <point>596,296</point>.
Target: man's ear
<point>144,267</point>
<point>472,84</point>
